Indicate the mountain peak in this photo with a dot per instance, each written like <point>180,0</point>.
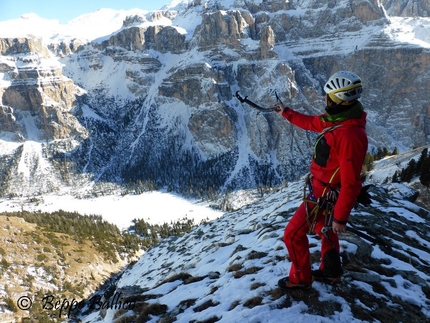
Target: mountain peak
<point>161,86</point>
<point>86,27</point>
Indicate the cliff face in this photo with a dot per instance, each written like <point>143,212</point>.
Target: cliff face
<point>34,85</point>
<point>153,101</point>
<point>408,8</point>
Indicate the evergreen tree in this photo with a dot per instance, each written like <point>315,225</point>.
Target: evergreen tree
<point>396,177</point>
<point>421,160</point>
<point>379,154</point>
<point>368,162</point>
<point>385,152</point>
<point>425,171</point>
<point>409,171</point>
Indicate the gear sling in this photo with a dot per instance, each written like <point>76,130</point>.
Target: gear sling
<point>325,202</point>
<point>327,199</point>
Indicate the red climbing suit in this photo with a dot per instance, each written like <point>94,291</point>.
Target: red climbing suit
<point>344,148</point>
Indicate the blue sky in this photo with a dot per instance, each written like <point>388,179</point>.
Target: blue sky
<point>66,10</point>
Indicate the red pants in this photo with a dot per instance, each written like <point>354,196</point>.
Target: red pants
<point>297,243</point>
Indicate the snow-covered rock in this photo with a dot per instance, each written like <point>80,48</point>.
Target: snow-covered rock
<point>227,270</point>
<point>149,96</point>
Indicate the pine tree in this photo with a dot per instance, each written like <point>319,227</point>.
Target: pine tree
<point>421,160</point>
<point>425,171</point>
<point>379,154</point>
<point>368,162</point>
<point>409,171</point>
<point>385,152</point>
<point>396,177</point>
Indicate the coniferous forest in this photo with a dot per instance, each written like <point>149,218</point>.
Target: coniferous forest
<point>416,168</point>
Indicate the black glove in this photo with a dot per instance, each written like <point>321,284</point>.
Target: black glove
<point>364,197</point>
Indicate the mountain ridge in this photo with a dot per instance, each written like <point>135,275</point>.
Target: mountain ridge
<point>146,103</point>
<point>150,96</point>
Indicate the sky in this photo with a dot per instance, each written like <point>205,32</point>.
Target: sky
<point>66,10</point>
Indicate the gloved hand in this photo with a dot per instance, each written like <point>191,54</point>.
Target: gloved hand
<point>280,108</point>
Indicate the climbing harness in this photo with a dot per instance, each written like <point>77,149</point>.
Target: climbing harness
<point>327,199</point>
<point>325,202</point>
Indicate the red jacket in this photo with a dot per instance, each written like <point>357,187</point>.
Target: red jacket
<point>344,147</point>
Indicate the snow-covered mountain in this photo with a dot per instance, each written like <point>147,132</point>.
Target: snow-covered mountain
<point>118,102</point>
<point>227,270</point>
<point>146,99</point>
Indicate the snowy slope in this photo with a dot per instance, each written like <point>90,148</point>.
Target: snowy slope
<point>227,270</point>
<point>385,168</point>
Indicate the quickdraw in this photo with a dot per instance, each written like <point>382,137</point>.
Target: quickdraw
<point>325,202</point>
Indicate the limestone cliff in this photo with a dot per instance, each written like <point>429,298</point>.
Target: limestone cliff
<point>154,100</point>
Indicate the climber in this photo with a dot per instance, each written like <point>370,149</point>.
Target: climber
<point>333,183</point>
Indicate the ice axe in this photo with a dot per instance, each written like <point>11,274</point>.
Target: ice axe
<point>255,105</point>
<point>365,236</point>
<point>379,241</point>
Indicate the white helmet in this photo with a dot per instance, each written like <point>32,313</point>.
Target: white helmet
<point>343,86</point>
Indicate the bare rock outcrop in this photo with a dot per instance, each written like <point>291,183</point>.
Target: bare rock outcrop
<point>155,98</point>
<point>407,8</point>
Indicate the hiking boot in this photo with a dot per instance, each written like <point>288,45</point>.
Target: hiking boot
<point>332,271</point>
<point>285,284</point>
<point>320,275</point>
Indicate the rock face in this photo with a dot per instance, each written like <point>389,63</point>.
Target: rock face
<point>408,8</point>
<point>154,101</point>
<point>36,85</point>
